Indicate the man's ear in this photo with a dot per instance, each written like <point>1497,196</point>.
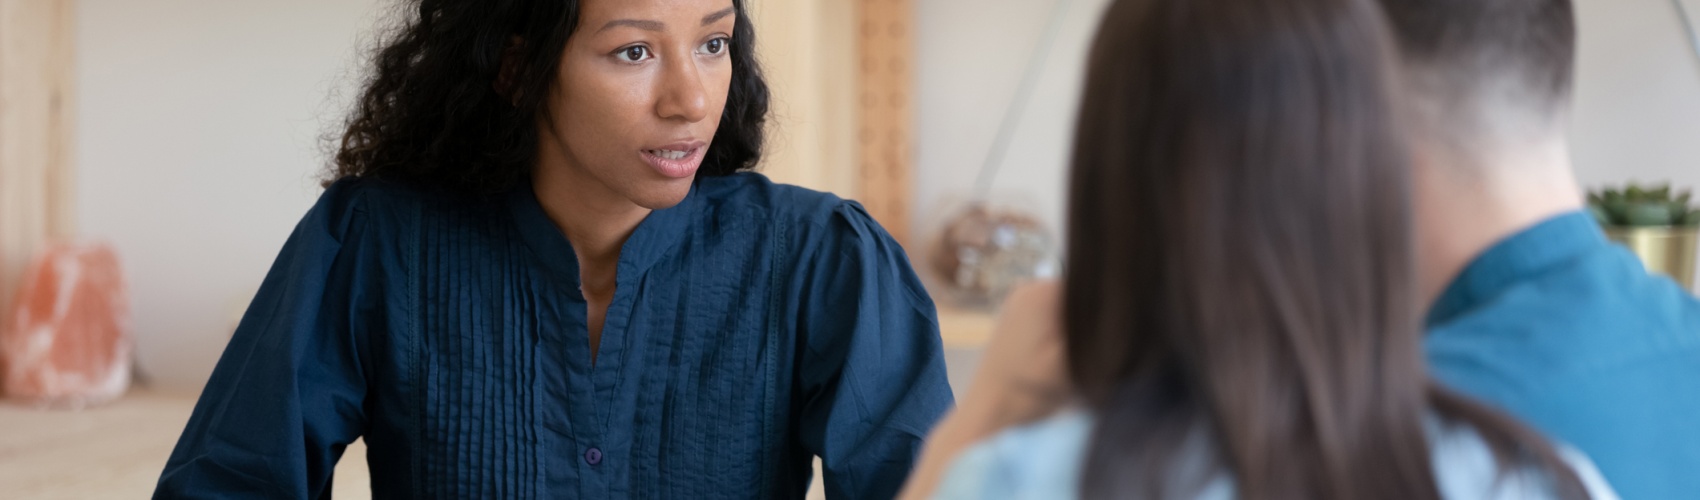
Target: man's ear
<point>508,71</point>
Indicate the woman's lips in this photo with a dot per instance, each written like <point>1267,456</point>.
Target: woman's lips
<point>677,161</point>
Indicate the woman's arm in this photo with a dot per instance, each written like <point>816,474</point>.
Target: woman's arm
<point>286,396</point>
<point>1022,378</point>
<point>870,375</point>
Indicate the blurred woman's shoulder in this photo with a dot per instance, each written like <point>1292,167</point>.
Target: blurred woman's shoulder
<point>1044,460</point>
<point>1039,460</point>
<point>1466,469</point>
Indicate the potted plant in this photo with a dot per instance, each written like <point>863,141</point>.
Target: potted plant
<point>1659,226</point>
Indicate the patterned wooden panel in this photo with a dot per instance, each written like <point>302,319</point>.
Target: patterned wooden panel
<point>36,79</point>
<point>886,47</point>
<point>808,52</point>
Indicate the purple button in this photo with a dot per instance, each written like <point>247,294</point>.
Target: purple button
<point>593,456</point>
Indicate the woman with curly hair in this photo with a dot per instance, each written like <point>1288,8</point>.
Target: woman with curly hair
<point>541,269</point>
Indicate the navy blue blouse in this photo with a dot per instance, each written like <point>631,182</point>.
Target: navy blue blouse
<point>754,327</point>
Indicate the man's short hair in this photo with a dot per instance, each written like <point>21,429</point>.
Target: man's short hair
<point>1494,53</point>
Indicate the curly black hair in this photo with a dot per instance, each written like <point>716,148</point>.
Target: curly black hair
<point>430,113</point>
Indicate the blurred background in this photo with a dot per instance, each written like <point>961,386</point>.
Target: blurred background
<point>189,135</point>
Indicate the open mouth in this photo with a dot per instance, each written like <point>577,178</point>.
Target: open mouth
<point>669,154</point>
<point>678,161</point>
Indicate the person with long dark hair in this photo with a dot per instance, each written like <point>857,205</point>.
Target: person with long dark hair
<point>541,269</point>
<point>1238,317</point>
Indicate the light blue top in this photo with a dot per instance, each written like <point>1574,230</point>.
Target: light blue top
<point>1043,461</point>
<point>1568,332</point>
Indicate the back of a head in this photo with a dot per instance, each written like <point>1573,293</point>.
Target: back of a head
<point>1486,70</point>
<point>1239,255</point>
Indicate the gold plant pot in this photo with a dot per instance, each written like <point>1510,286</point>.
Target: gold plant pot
<point>1667,250</point>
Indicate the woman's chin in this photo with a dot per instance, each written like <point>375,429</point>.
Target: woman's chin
<point>663,195</point>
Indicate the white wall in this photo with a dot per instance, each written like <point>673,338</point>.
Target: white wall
<point>1637,113</point>
<point>970,58</point>
<point>198,149</point>
<point>1638,94</point>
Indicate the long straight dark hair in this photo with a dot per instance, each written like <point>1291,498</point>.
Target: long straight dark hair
<point>1240,262</point>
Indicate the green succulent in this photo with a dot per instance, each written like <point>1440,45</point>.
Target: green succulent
<point>1637,206</point>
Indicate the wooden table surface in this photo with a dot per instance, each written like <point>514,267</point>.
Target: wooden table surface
<point>114,451</point>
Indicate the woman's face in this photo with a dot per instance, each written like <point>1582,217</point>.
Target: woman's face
<point>640,92</point>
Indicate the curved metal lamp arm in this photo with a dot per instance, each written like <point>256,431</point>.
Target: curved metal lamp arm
<point>1018,103</point>
<point>1688,26</point>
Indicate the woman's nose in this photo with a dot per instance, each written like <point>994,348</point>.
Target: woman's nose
<point>683,97</point>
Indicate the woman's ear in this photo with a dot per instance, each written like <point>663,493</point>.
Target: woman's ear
<point>508,72</point>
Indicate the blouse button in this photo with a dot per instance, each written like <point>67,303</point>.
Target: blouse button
<point>593,456</point>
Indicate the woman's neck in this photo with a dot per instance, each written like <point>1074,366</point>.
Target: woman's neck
<point>594,219</point>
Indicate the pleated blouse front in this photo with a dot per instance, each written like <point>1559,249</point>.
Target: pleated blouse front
<point>753,327</point>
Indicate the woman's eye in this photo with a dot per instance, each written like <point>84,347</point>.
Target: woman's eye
<point>635,53</point>
<point>714,47</point>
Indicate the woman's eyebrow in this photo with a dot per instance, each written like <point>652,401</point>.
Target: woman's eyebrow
<point>711,18</point>
<point>642,24</point>
<point>649,25</point>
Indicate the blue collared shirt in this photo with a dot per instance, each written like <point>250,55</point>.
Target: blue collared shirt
<point>1569,332</point>
<point>753,326</point>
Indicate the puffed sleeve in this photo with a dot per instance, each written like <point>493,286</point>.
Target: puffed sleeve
<point>871,370</point>
<point>286,396</point>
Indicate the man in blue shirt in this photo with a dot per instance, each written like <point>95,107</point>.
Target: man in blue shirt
<point>1534,310</point>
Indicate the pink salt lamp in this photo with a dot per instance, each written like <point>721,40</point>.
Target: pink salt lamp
<point>68,344</point>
